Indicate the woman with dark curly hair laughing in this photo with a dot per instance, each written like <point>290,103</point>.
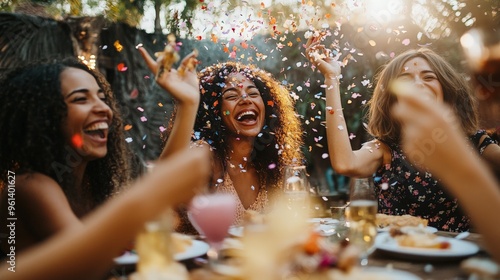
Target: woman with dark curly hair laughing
<point>249,121</point>
<point>63,139</point>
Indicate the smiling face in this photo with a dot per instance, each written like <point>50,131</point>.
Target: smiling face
<point>242,107</point>
<point>89,117</point>
<point>420,75</point>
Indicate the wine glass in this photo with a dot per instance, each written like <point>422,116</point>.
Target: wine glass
<point>361,214</point>
<point>295,187</point>
<point>212,215</point>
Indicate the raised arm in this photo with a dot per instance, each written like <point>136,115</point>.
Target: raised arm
<point>87,252</point>
<point>182,83</point>
<point>363,162</point>
<point>453,161</point>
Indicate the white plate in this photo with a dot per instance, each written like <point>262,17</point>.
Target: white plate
<point>236,231</point>
<point>325,226</point>
<point>323,221</point>
<point>458,248</point>
<point>427,229</point>
<point>197,249</point>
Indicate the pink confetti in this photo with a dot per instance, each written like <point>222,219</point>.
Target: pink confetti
<point>406,42</point>
<point>144,119</point>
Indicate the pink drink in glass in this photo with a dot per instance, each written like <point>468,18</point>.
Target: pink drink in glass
<point>212,215</point>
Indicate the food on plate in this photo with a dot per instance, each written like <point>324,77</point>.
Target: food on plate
<point>418,237</point>
<point>181,242</point>
<point>384,220</point>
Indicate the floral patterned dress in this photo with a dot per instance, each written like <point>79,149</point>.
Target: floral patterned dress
<point>402,189</point>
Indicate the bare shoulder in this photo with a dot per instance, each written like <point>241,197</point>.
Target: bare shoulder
<point>376,146</point>
<point>32,187</point>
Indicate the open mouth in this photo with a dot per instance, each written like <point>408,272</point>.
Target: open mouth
<point>99,130</point>
<point>247,117</point>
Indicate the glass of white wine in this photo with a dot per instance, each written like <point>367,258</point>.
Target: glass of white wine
<point>296,188</point>
<point>361,215</point>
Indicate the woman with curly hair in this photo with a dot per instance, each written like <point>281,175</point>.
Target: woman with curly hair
<point>63,139</point>
<point>248,120</point>
<point>403,187</point>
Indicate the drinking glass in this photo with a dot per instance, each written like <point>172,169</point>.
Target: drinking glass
<point>212,215</point>
<point>361,214</point>
<point>296,188</point>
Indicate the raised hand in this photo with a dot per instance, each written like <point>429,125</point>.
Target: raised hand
<point>182,83</point>
<point>319,55</point>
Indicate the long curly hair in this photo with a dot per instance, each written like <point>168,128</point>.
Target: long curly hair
<point>456,92</point>
<point>278,144</point>
<point>31,116</point>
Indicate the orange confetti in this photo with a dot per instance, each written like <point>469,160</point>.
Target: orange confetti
<point>244,45</point>
<point>226,49</point>
<point>270,103</point>
<point>216,102</point>
<point>121,67</point>
<point>289,44</point>
<point>198,38</point>
<point>328,16</point>
<point>77,141</point>
<point>235,48</point>
<point>214,38</point>
<point>118,46</point>
<point>128,127</point>
<point>272,20</point>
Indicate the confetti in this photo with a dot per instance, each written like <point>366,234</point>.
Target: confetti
<point>77,141</point>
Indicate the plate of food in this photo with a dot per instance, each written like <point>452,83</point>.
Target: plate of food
<point>426,245</point>
<point>192,249</point>
<point>410,228</point>
<point>385,222</point>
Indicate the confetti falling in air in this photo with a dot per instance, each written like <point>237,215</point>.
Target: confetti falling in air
<point>77,141</point>
<point>274,39</point>
<point>121,67</point>
<point>118,46</point>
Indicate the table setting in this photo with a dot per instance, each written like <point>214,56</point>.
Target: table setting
<point>346,242</point>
